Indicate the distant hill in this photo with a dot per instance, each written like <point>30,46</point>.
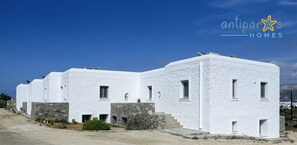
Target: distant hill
<point>285,92</point>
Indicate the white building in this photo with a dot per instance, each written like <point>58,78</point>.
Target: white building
<point>213,93</point>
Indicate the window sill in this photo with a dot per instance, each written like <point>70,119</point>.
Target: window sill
<point>235,99</point>
<point>149,100</point>
<point>184,100</point>
<point>264,100</point>
<point>104,99</point>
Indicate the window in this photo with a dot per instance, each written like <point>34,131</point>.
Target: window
<point>150,93</point>
<point>103,117</point>
<point>103,92</point>
<point>185,85</point>
<point>263,90</point>
<point>234,126</point>
<point>125,120</point>
<point>234,89</point>
<point>86,118</point>
<point>263,128</point>
<point>114,119</point>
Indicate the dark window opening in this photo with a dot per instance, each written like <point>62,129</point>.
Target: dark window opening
<point>234,89</point>
<point>263,90</point>
<point>114,119</point>
<point>150,92</point>
<point>185,88</point>
<point>125,120</point>
<point>103,92</point>
<point>86,118</point>
<point>103,117</point>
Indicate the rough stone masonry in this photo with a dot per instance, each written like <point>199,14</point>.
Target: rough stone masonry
<point>50,111</point>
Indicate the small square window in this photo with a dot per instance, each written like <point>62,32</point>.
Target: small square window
<point>86,118</point>
<point>103,92</point>
<point>185,89</point>
<point>263,90</point>
<point>125,120</point>
<point>103,117</point>
<point>114,119</point>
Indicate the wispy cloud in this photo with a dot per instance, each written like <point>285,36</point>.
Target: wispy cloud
<point>289,23</point>
<point>232,3</point>
<point>288,71</point>
<point>287,3</point>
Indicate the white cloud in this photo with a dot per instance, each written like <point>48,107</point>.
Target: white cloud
<point>289,23</point>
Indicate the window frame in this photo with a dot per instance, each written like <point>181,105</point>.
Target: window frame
<point>105,120</point>
<point>263,91</point>
<point>234,127</point>
<point>150,92</point>
<point>106,93</point>
<point>183,89</point>
<point>234,89</point>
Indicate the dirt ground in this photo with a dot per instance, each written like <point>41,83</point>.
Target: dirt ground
<point>18,130</point>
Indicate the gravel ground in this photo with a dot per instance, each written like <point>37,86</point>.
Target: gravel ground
<point>18,130</point>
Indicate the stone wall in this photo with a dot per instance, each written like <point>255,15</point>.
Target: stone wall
<point>282,124</point>
<point>50,111</point>
<point>133,115</point>
<point>145,121</point>
<point>10,105</point>
<point>24,107</point>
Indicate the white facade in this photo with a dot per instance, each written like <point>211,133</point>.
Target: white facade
<point>223,97</point>
<point>52,87</point>
<point>21,95</point>
<point>35,93</point>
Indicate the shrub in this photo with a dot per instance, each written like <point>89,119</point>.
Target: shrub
<point>63,121</point>
<point>73,121</point>
<point>61,126</point>
<point>95,124</point>
<point>52,122</point>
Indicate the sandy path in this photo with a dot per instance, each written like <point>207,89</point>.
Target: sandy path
<point>18,130</point>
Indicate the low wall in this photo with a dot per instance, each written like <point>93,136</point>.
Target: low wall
<point>145,121</point>
<point>10,105</point>
<point>50,111</point>
<point>133,115</point>
<point>282,124</point>
<point>24,107</point>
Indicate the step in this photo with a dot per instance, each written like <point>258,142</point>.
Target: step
<point>170,121</point>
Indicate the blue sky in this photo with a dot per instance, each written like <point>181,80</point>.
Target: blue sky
<point>37,37</point>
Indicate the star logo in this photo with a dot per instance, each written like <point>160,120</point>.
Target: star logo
<point>268,24</point>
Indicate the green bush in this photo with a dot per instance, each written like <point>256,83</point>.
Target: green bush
<point>95,124</point>
<point>2,104</point>
<point>73,121</point>
<point>52,122</point>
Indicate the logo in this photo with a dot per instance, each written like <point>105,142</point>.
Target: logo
<point>264,28</point>
<point>268,24</point>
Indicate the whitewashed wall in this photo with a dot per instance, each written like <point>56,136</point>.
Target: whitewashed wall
<point>209,108</point>
<point>83,91</point>
<point>21,95</point>
<point>52,87</point>
<point>167,81</point>
<point>248,109</point>
<point>35,93</point>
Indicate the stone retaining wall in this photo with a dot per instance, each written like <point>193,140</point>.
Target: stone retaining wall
<point>50,111</point>
<point>282,124</point>
<point>133,115</point>
<point>10,105</point>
